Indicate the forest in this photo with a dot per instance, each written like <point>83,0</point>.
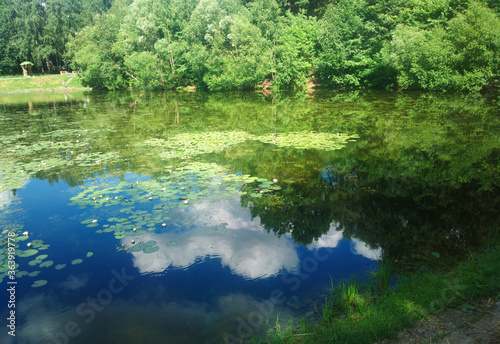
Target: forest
<point>222,45</point>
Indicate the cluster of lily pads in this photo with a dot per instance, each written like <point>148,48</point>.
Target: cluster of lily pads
<point>135,207</point>
<point>309,140</point>
<point>193,180</point>
<point>187,145</point>
<point>25,154</point>
<point>34,246</point>
<point>178,188</point>
<point>147,247</point>
<point>191,144</point>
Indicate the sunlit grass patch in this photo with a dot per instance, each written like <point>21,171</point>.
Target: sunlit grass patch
<point>50,81</point>
<point>365,313</point>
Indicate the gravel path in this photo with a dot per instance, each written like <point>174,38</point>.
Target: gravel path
<point>474,323</point>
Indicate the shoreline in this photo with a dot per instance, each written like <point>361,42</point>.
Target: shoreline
<point>468,292</point>
<point>50,90</point>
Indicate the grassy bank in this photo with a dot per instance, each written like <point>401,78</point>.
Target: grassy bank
<point>40,83</point>
<point>35,98</point>
<point>365,313</point>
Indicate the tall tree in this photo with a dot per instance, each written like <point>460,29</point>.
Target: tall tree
<point>350,43</point>
<point>464,54</point>
<point>39,30</point>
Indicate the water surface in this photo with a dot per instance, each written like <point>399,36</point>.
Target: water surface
<point>208,218</point>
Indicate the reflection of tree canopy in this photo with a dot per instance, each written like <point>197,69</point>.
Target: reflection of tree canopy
<point>421,177</point>
<point>404,218</point>
<point>400,216</point>
<point>300,210</point>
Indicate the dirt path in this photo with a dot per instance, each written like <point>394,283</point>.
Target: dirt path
<point>473,323</point>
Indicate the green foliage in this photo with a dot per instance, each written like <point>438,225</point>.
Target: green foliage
<point>233,44</point>
<point>422,58</point>
<point>239,61</point>
<point>295,51</point>
<point>265,15</point>
<point>475,36</point>
<point>145,68</point>
<point>38,31</point>
<point>98,51</point>
<point>350,43</point>
<point>463,55</point>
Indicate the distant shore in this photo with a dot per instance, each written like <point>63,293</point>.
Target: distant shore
<point>56,89</point>
<point>41,83</point>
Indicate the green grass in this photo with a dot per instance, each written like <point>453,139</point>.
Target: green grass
<point>372,311</point>
<point>39,82</point>
<point>40,97</point>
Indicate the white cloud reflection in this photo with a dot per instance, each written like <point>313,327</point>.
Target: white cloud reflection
<point>223,230</point>
<point>361,248</point>
<point>5,198</point>
<point>332,238</point>
<point>329,239</point>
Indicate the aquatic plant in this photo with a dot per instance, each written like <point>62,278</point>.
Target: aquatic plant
<point>26,154</point>
<point>39,283</point>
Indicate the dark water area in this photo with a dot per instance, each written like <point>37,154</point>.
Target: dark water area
<point>210,218</point>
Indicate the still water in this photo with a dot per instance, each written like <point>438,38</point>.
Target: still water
<point>210,218</point>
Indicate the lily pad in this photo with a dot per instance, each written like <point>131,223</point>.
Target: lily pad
<point>172,243</point>
<point>39,283</point>
<point>46,264</point>
<point>139,232</point>
<point>21,274</point>
<point>90,254</point>
<point>33,273</point>
<point>151,249</point>
<point>34,262</point>
<point>37,243</point>
<point>137,248</point>
<point>76,261</point>
<point>28,253</point>
<point>60,266</point>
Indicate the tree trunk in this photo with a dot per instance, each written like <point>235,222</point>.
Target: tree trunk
<point>172,63</point>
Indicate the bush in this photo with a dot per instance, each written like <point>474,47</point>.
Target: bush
<point>464,55</point>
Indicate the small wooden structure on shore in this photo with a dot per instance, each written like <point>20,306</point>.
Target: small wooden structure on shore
<point>26,66</point>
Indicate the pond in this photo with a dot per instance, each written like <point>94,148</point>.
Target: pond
<point>142,217</point>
